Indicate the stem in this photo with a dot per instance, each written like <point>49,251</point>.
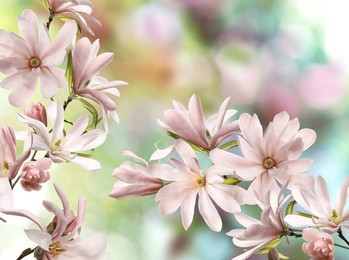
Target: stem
<point>345,247</point>
<point>3,220</point>
<point>14,184</point>
<point>340,234</point>
<point>26,252</point>
<point>50,19</point>
<point>66,103</point>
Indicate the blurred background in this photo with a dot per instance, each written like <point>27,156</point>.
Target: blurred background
<point>268,55</point>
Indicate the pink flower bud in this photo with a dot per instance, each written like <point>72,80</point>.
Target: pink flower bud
<point>38,112</point>
<point>34,173</point>
<point>320,246</point>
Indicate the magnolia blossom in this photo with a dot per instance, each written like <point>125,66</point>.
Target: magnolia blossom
<point>9,163</point>
<point>187,181</point>
<point>320,246</point>
<point>34,173</point>
<point>79,10</point>
<point>274,156</point>
<point>60,239</point>
<point>31,57</point>
<point>191,125</point>
<point>135,180</point>
<point>317,202</point>
<point>263,233</point>
<point>6,194</point>
<point>37,111</point>
<point>86,83</point>
<point>68,147</point>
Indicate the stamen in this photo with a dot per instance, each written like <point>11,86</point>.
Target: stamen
<point>268,163</point>
<point>55,249</point>
<point>34,62</point>
<point>200,181</point>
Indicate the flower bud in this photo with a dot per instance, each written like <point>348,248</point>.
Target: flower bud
<point>38,112</point>
<point>34,173</point>
<point>320,246</point>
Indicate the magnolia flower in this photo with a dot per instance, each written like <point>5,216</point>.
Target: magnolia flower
<point>79,10</point>
<point>274,156</point>
<point>86,65</point>
<point>135,180</point>
<point>317,202</point>
<point>60,239</point>
<point>31,57</point>
<point>38,112</point>
<point>65,148</point>
<point>9,163</point>
<point>6,194</point>
<point>191,125</point>
<point>187,181</point>
<point>34,173</point>
<point>320,246</point>
<point>264,233</point>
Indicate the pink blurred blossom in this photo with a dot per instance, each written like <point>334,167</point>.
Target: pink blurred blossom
<point>320,246</point>
<point>32,57</point>
<point>37,111</point>
<point>79,10</point>
<point>34,173</point>
<point>322,86</point>
<point>58,240</point>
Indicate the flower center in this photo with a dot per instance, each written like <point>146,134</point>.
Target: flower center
<point>335,218</point>
<point>268,163</point>
<point>34,62</point>
<point>5,169</point>
<point>55,249</point>
<point>200,181</point>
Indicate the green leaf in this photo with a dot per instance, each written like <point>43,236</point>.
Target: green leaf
<point>305,215</point>
<point>45,3</point>
<point>195,147</point>
<point>271,245</point>
<point>229,145</point>
<point>290,206</point>
<point>90,108</point>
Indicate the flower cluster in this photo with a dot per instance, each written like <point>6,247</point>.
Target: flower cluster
<point>65,66</point>
<point>268,163</point>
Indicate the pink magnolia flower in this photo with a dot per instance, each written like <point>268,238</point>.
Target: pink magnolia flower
<point>34,173</point>
<point>6,194</point>
<point>191,125</point>
<point>320,246</point>
<point>187,181</point>
<point>59,240</point>
<point>9,163</point>
<point>79,10</point>
<point>37,111</point>
<point>86,83</point>
<point>317,202</point>
<point>260,234</point>
<point>274,156</point>
<point>31,57</point>
<point>135,180</point>
<point>62,148</point>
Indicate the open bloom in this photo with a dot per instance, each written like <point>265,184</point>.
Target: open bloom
<point>274,156</point>
<point>86,83</point>
<point>316,201</point>
<point>187,181</point>
<point>65,148</point>
<point>261,234</point>
<point>34,173</point>
<point>31,57</point>
<point>135,180</point>
<point>191,125</point>
<point>79,10</point>
<point>60,239</point>
<point>320,246</point>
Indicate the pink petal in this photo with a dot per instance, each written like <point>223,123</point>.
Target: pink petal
<point>51,80</point>
<point>187,208</point>
<point>308,136</point>
<point>209,212</point>
<point>342,197</point>
<point>298,221</point>
<point>87,163</point>
<point>225,196</point>
<point>196,117</point>
<point>42,239</point>
<point>6,194</point>
<point>27,214</point>
<point>56,114</point>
